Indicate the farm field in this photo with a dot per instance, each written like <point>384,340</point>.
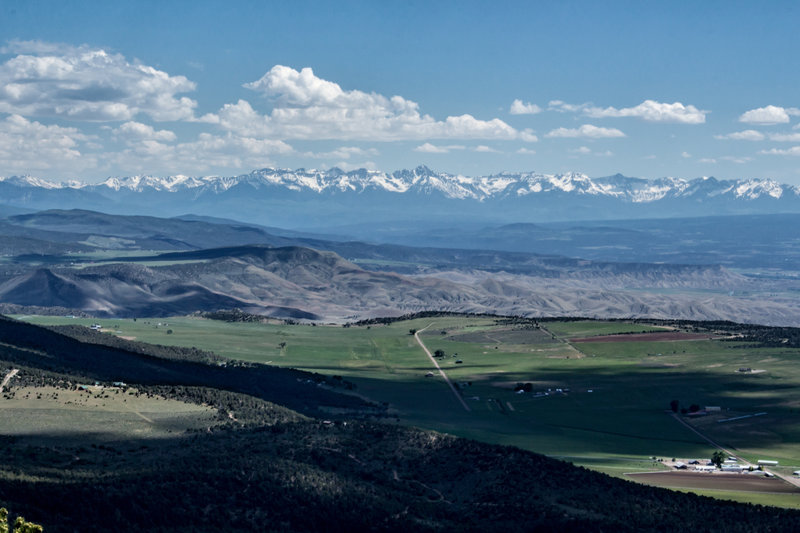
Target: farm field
<point>716,481</point>
<point>611,413</point>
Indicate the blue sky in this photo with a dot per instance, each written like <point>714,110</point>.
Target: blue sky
<point>686,89</point>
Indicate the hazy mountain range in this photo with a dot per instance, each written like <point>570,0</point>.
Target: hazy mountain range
<point>105,265</point>
<point>308,198</point>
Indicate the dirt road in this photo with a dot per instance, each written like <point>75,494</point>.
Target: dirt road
<point>436,364</point>
<point>11,374</point>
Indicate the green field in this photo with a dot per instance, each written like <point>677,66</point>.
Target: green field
<point>614,417</point>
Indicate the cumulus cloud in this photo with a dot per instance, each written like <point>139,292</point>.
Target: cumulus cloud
<point>309,107</point>
<point>769,115</point>
<point>27,146</point>
<point>746,135</point>
<point>83,83</point>
<point>526,151</point>
<point>649,110</point>
<point>653,111</point>
<point>794,150</point>
<point>137,131</point>
<point>582,150</point>
<point>518,107</point>
<point>227,151</point>
<point>710,160</point>
<point>587,131</point>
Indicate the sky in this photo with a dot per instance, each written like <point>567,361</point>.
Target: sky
<point>90,89</point>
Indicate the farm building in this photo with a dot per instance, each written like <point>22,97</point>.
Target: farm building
<point>764,462</point>
<point>733,468</point>
<point>705,468</point>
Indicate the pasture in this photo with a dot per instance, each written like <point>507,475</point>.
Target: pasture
<point>604,404</point>
<point>105,414</point>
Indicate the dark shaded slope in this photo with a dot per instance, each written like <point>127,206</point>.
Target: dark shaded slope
<point>46,349</point>
<point>306,476</point>
<point>44,288</point>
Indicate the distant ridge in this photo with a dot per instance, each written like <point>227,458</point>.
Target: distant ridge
<point>303,198</point>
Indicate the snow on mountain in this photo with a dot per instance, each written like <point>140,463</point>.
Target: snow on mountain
<point>30,181</point>
<point>755,188</point>
<point>140,183</point>
<point>423,180</point>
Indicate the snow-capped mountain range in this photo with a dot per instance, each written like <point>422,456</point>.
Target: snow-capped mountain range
<point>269,195</point>
<point>424,180</point>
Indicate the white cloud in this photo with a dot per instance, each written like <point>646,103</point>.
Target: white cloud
<point>769,115</point>
<point>309,107</point>
<point>347,166</point>
<point>653,111</point>
<point>708,160</point>
<point>585,150</point>
<point>486,149</point>
<point>746,135</point>
<point>563,107</point>
<point>83,83</point>
<point>785,137</point>
<point>29,146</point>
<point>588,131</point>
<point>138,131</point>
<point>686,155</point>
<point>433,149</point>
<point>343,152</point>
<point>227,151</point>
<point>794,150</point>
<point>649,110</point>
<point>518,107</point>
<point>526,151</point>
<point>736,159</point>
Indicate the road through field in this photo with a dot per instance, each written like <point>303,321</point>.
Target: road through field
<point>436,364</point>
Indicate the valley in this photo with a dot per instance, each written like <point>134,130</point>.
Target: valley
<point>598,395</point>
<point>206,333</point>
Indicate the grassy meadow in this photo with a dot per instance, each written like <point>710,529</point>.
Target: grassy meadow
<point>105,413</point>
<point>613,418</point>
